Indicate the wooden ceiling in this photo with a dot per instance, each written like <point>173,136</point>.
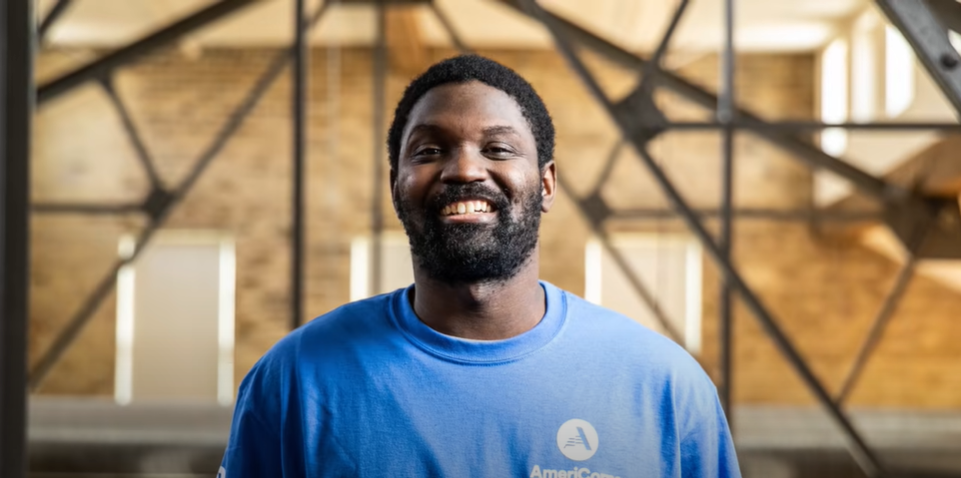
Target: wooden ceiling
<point>763,25</point>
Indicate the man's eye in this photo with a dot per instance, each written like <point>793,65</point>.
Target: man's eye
<point>427,152</point>
<point>499,150</point>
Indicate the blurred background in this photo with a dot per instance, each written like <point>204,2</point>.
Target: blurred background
<point>205,176</point>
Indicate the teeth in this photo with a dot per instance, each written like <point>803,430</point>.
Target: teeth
<point>466,207</point>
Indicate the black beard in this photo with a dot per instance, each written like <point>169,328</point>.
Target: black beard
<point>473,253</point>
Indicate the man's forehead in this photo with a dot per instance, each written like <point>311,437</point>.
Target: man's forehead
<point>482,105</point>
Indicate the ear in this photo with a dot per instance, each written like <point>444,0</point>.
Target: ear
<point>393,189</point>
<point>548,185</point>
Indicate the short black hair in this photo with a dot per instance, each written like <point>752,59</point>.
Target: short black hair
<point>465,68</point>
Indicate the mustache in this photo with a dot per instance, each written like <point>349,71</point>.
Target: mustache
<point>462,192</point>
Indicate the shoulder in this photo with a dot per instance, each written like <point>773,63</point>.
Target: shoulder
<point>652,359</point>
<point>634,345</point>
<point>326,335</point>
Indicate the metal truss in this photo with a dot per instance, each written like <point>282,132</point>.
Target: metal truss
<point>928,226</point>
<point>160,201</point>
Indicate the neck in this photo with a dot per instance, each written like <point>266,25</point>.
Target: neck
<point>481,311</point>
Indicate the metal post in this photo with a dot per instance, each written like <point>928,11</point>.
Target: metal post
<point>725,115</point>
<point>377,196</point>
<point>299,125</point>
<point>863,455</point>
<point>16,105</point>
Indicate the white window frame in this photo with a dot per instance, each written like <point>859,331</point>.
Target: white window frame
<point>361,248</point>
<point>693,286</point>
<point>835,85</point>
<point>899,84</point>
<point>125,323</point>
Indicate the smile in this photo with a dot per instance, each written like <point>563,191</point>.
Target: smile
<point>466,208</point>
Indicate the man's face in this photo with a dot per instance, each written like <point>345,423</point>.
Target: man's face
<point>467,187</point>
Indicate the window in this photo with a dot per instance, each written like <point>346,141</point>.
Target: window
<point>834,96</point>
<point>396,265</point>
<point>668,265</point>
<point>898,73</point>
<point>175,319</point>
<point>863,78</point>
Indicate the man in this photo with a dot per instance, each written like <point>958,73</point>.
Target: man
<point>477,369</point>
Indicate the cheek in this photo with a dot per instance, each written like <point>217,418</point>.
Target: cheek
<point>521,184</point>
<point>410,186</point>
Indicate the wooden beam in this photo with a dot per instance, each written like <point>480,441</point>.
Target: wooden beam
<point>406,49</point>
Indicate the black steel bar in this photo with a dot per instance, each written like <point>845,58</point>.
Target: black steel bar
<point>299,78</point>
<point>608,167</point>
<point>377,196</point>
<point>16,105</point>
<point>132,132</point>
<point>755,214</point>
<point>929,39</point>
<point>801,148</point>
<point>449,28</point>
<point>103,66</point>
<point>658,55</point>
<point>863,455</point>
<point>636,283</point>
<point>948,12</point>
<point>725,116</point>
<point>884,315</point>
<point>79,320</point>
<point>801,126</point>
<point>56,11</point>
<point>95,209</point>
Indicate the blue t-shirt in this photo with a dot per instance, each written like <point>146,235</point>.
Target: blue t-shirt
<point>370,390</point>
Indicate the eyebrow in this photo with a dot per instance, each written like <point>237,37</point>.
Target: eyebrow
<point>494,130</point>
<point>489,131</point>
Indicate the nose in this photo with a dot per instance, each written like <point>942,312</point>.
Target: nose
<point>464,166</point>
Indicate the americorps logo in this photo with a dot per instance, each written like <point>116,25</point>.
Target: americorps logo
<point>577,439</point>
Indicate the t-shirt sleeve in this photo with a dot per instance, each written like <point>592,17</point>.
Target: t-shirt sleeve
<point>254,447</point>
<point>707,450</point>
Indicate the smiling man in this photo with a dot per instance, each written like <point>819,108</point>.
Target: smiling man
<point>478,368</point>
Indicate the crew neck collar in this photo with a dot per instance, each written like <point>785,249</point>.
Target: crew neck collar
<point>480,351</point>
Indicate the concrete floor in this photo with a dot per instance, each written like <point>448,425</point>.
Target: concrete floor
<point>97,438</point>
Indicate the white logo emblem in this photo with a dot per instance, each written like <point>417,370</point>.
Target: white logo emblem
<point>577,439</point>
<point>221,473</point>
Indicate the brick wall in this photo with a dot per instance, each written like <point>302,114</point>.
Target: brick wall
<point>823,293</point>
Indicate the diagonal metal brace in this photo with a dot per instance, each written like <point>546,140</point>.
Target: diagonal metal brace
<point>101,67</point>
<point>929,38</point>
